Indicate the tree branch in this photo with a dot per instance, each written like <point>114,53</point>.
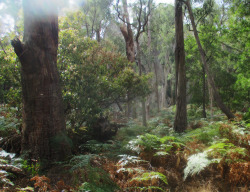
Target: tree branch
<point>18,47</point>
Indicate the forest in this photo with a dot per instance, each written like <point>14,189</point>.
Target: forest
<point>124,95</point>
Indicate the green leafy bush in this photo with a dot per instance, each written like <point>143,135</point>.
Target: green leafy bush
<point>94,78</point>
<point>145,142</point>
<point>205,134</point>
<point>217,152</point>
<point>9,123</point>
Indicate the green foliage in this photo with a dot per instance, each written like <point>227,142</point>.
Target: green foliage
<point>10,86</point>
<point>194,112</point>
<point>9,123</point>
<point>81,161</point>
<point>217,152</point>
<point>247,116</point>
<point>95,178</point>
<point>85,187</point>
<point>206,134</point>
<point>196,163</point>
<point>31,168</point>
<point>128,160</point>
<point>9,165</point>
<point>99,180</point>
<point>130,131</point>
<point>145,142</point>
<point>94,146</point>
<point>227,151</point>
<point>94,78</point>
<point>151,175</point>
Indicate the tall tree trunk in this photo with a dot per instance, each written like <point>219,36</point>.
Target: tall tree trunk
<point>156,87</point>
<point>127,33</point>
<point>211,100</point>
<point>149,97</point>
<point>166,70</point>
<point>204,93</point>
<point>171,89</point>
<point>216,94</point>
<point>180,122</point>
<point>43,131</point>
<point>143,103</point>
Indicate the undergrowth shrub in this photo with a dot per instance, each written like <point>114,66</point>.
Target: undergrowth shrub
<point>162,130</point>
<point>205,134</point>
<point>81,161</point>
<point>194,112</point>
<point>9,123</point>
<point>32,167</point>
<point>149,181</point>
<point>43,184</point>
<point>9,168</point>
<point>127,133</point>
<point>221,152</point>
<point>94,146</point>
<point>246,117</point>
<point>237,133</point>
<point>134,174</point>
<point>196,163</point>
<point>89,174</point>
<point>145,143</point>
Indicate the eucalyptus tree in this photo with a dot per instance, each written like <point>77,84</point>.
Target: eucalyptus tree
<point>141,10</point>
<point>97,15</point>
<point>163,43</point>
<point>216,94</point>
<point>236,40</point>
<point>180,122</point>
<point>44,128</point>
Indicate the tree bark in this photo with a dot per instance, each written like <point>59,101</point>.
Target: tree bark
<point>216,94</point>
<point>211,100</point>
<point>127,33</point>
<point>148,100</point>
<point>156,87</point>
<point>166,70</point>
<point>143,103</point>
<point>204,93</point>
<point>44,129</point>
<point>180,122</point>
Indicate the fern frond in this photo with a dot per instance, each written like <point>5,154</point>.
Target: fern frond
<point>196,163</point>
<point>81,161</point>
<point>148,176</point>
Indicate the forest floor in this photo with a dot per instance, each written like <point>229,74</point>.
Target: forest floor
<point>212,155</point>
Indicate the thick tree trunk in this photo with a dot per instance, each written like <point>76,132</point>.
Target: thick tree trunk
<point>216,94</point>
<point>180,122</point>
<point>127,33</point>
<point>43,131</point>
